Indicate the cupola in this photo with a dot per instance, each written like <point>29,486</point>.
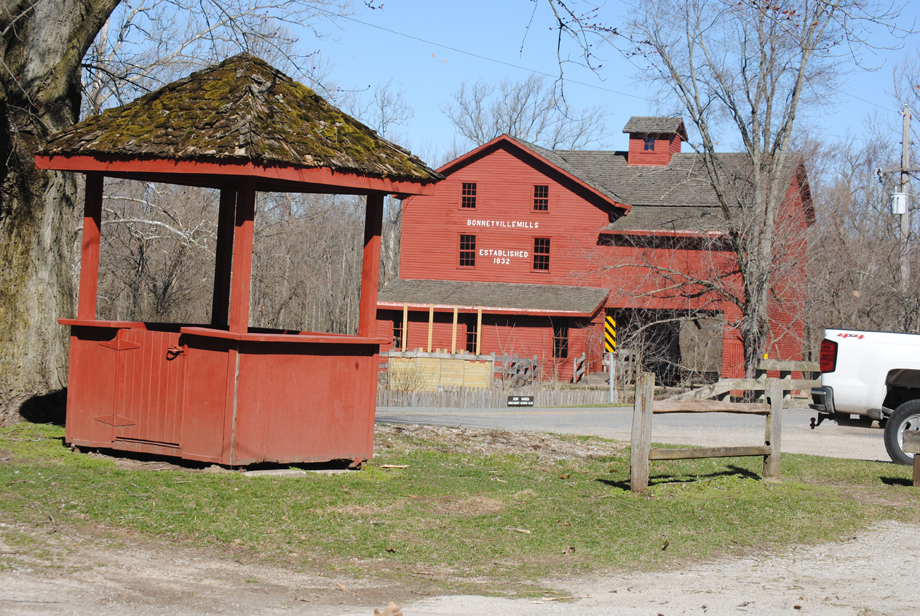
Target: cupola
<point>653,140</point>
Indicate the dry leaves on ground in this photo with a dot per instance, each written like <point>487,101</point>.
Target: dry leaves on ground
<point>390,610</point>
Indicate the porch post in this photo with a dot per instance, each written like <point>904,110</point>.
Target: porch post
<point>453,335</point>
<point>220,303</point>
<point>405,336</point>
<point>370,268</point>
<point>479,331</point>
<point>242,256</point>
<point>430,324</point>
<point>89,249</point>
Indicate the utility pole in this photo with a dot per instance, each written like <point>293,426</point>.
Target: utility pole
<point>900,206</point>
<point>905,216</point>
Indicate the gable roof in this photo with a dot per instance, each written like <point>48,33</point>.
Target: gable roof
<point>656,125</point>
<point>240,111</point>
<point>493,297</point>
<point>549,157</point>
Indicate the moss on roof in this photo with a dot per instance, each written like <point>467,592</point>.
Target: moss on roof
<point>241,110</point>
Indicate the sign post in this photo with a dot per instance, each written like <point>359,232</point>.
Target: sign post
<point>610,346</point>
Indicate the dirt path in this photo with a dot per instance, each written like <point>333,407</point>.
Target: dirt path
<point>873,573</point>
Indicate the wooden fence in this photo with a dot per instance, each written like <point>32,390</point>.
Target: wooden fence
<point>722,390</point>
<point>466,398</point>
<point>509,370</point>
<point>578,368</point>
<point>641,452</point>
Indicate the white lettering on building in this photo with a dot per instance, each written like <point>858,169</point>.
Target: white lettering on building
<point>506,224</point>
<point>503,257</point>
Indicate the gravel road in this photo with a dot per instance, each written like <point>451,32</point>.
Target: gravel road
<point>706,429</point>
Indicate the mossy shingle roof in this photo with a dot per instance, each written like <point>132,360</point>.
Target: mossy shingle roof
<point>240,111</point>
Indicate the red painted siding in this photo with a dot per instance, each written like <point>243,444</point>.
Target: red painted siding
<point>666,146</point>
<point>208,395</point>
<point>505,225</point>
<point>87,405</point>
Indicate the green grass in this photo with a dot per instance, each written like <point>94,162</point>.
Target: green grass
<point>456,515</point>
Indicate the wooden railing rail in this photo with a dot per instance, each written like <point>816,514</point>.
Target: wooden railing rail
<point>641,451</point>
<point>723,389</point>
<point>578,370</point>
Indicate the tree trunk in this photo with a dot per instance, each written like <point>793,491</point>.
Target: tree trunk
<point>39,95</point>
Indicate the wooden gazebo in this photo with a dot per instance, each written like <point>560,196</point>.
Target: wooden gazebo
<point>224,392</point>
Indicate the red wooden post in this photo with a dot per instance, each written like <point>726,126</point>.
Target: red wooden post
<point>242,256</point>
<point>220,306</point>
<point>370,269</point>
<point>89,257</point>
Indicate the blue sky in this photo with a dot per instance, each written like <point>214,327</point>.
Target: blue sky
<point>429,48</point>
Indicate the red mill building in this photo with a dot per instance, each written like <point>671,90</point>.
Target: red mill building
<point>547,243</point>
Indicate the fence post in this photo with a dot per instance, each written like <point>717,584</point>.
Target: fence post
<point>641,441</point>
<point>612,377</point>
<point>774,392</point>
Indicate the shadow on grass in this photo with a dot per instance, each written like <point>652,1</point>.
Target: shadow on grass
<point>663,479</point>
<point>48,408</point>
<point>141,461</point>
<point>897,481</point>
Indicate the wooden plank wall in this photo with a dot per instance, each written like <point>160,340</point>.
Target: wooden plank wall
<point>430,373</point>
<point>488,398</point>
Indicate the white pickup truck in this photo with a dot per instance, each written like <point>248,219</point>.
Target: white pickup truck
<point>875,376</point>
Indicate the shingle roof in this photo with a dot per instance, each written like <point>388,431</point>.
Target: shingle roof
<point>494,295</point>
<point>678,196</point>
<point>555,157</point>
<point>241,110</point>
<point>656,125</point>
<point>683,181</point>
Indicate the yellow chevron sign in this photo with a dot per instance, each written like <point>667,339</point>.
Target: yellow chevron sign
<point>610,335</point>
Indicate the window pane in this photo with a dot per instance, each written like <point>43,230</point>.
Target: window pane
<point>541,198</point>
<point>471,336</point>
<point>468,195</point>
<point>560,340</point>
<point>467,250</point>
<point>541,253</point>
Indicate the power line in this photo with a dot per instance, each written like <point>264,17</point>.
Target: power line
<point>488,59</point>
<point>545,74</point>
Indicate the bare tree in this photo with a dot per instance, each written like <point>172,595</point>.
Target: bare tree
<point>44,45</point>
<point>157,257</point>
<point>144,46</point>
<point>532,110</point>
<point>745,69</point>
<point>854,253</point>
<point>389,114</point>
<point>307,262</point>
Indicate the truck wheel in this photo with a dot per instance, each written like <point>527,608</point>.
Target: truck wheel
<point>905,417</point>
